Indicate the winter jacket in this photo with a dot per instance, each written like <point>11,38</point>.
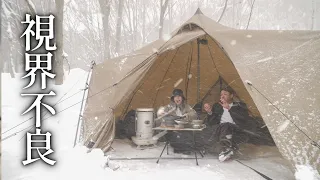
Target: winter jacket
<point>238,112</point>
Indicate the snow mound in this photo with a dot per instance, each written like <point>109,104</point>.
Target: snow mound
<point>306,172</point>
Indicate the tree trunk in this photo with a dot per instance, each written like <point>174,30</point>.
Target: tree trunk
<point>10,63</point>
<point>250,13</point>
<point>118,31</point>
<point>105,10</point>
<point>312,16</point>
<point>170,16</point>
<point>224,10</point>
<point>143,24</point>
<point>163,8</point>
<point>31,7</point>
<point>58,58</point>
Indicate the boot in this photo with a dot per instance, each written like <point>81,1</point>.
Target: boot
<point>225,155</point>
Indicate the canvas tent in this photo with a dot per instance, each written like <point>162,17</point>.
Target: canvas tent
<point>281,66</point>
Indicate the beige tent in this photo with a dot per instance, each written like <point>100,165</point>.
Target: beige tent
<point>283,68</point>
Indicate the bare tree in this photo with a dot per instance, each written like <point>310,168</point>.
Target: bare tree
<point>12,29</point>
<point>312,16</point>
<point>31,7</point>
<point>58,59</point>
<point>250,13</point>
<point>143,23</point>
<point>119,22</point>
<point>163,8</point>
<point>223,11</point>
<point>105,10</point>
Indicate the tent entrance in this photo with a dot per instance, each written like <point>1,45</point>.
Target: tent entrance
<point>201,69</point>
<point>179,68</point>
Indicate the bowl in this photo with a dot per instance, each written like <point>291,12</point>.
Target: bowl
<point>197,122</point>
<point>181,122</point>
<point>178,126</point>
<point>196,126</point>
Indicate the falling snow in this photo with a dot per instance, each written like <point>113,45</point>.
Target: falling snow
<point>166,37</point>
<point>172,47</point>
<point>265,59</point>
<point>177,83</point>
<point>283,126</point>
<point>122,62</point>
<point>282,80</point>
<point>9,31</point>
<point>160,87</point>
<point>64,54</point>
<point>31,4</point>
<point>248,82</point>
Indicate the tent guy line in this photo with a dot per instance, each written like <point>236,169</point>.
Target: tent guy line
<point>86,87</point>
<point>58,102</point>
<point>263,175</point>
<point>113,85</point>
<point>313,142</point>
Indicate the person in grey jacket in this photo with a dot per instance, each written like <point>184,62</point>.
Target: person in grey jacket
<point>178,108</point>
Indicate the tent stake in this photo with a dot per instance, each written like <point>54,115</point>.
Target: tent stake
<point>82,102</point>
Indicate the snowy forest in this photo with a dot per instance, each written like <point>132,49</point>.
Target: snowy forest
<point>97,30</point>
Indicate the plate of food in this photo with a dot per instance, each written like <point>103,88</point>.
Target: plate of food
<point>197,122</point>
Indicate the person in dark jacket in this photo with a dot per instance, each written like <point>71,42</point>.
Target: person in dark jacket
<point>230,116</point>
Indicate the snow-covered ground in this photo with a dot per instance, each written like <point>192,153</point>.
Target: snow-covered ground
<point>76,163</point>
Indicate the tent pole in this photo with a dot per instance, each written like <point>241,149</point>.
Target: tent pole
<point>82,102</point>
<point>188,70</point>
<point>220,80</point>
<point>204,42</point>
<point>198,69</point>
